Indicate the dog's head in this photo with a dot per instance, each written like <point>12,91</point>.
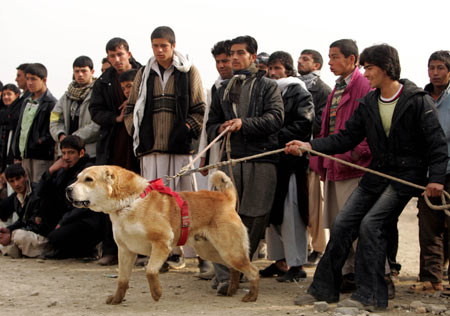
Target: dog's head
<point>104,188</point>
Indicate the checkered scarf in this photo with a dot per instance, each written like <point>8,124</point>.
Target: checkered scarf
<point>77,93</point>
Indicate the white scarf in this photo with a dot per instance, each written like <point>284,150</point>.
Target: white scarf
<point>180,62</point>
<point>283,83</point>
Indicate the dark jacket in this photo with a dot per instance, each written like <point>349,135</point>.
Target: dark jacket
<point>259,127</point>
<point>55,208</point>
<point>320,92</point>
<point>298,117</point>
<point>416,142</point>
<point>27,214</point>
<point>40,144</point>
<point>106,98</point>
<point>180,139</point>
<point>9,116</point>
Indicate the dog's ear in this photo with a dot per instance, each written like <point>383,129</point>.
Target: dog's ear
<point>110,177</point>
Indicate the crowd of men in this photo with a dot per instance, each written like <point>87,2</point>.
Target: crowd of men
<point>151,119</point>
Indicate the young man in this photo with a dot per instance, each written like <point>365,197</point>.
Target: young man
<point>114,146</point>
<point>221,54</point>
<point>34,145</point>
<point>251,105</point>
<point>22,80</point>
<point>433,224</point>
<point>126,81</point>
<point>24,236</point>
<point>339,180</point>
<point>71,116</point>
<point>286,235</point>
<point>168,105</point>
<point>309,65</point>
<point>75,231</point>
<point>406,140</point>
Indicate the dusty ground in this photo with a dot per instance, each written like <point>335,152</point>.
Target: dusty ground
<point>70,287</point>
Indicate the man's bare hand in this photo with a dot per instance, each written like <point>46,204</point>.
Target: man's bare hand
<point>293,147</point>
<point>202,164</point>
<point>58,164</point>
<point>434,189</point>
<point>122,111</point>
<point>5,236</point>
<point>234,124</point>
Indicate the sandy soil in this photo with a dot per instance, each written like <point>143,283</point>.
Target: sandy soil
<point>72,287</point>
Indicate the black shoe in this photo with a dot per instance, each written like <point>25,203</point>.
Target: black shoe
<point>314,258</point>
<point>294,274</point>
<point>164,268</point>
<point>270,271</point>
<point>348,284</point>
<point>222,288</point>
<point>176,262</point>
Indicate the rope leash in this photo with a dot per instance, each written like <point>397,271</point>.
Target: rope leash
<point>444,195</point>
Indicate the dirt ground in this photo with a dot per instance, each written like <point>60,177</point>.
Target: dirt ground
<point>71,287</point>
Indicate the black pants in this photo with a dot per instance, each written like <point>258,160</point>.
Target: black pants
<point>78,238</point>
<point>433,226</point>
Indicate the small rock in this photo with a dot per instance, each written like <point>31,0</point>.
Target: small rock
<point>321,307</point>
<point>40,261</point>
<point>52,304</point>
<point>447,312</point>
<point>347,310</point>
<point>421,309</point>
<point>416,304</point>
<point>437,309</point>
<point>34,294</point>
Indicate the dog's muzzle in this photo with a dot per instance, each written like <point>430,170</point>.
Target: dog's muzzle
<point>75,203</point>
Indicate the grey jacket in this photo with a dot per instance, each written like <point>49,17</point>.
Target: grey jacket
<point>88,130</point>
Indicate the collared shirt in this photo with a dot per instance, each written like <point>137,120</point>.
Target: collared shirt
<point>29,113</point>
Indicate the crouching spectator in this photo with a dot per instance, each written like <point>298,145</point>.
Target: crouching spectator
<point>24,236</point>
<point>76,230</point>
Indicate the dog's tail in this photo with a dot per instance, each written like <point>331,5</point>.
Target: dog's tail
<point>223,183</point>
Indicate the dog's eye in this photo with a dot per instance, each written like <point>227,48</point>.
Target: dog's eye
<point>88,179</point>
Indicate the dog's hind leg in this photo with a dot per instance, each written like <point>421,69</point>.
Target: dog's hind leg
<point>159,254</point>
<point>126,262</point>
<point>234,282</point>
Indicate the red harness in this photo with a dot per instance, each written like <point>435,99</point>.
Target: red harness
<point>158,185</point>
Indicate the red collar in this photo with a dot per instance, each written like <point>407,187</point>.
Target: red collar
<point>158,185</point>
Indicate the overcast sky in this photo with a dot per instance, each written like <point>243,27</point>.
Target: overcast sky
<point>56,32</point>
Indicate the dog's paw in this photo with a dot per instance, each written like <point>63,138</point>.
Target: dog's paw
<point>250,297</point>
<point>113,300</point>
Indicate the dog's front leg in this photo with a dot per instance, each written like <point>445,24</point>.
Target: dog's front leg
<point>126,262</point>
<point>159,254</point>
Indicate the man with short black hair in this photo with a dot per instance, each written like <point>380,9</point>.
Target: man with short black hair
<point>434,224</point>
<point>309,65</point>
<point>250,104</point>
<point>34,145</point>
<point>25,236</point>
<point>71,116</point>
<point>74,231</point>
<point>401,126</point>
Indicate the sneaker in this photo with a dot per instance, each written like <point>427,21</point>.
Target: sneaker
<point>305,299</point>
<point>294,274</point>
<point>176,262</point>
<point>222,288</point>
<point>141,261</point>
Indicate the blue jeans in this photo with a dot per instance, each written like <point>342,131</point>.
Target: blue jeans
<point>364,216</point>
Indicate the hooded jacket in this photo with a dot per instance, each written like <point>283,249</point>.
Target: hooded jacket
<point>415,145</point>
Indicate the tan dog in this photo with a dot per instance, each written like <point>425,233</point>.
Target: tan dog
<point>152,225</point>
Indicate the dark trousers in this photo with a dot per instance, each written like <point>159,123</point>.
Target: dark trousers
<point>433,226</point>
<point>364,216</point>
<point>109,246</point>
<point>76,239</point>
